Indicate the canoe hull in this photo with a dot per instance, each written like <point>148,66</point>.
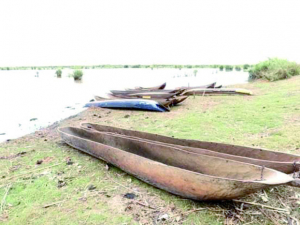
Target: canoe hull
<point>163,102</point>
<point>276,160</point>
<point>175,180</point>
<point>148,105</point>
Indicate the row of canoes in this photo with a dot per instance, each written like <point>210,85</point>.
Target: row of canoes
<point>150,99</point>
<point>188,168</point>
<point>157,98</point>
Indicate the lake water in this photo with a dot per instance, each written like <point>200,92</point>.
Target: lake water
<point>29,103</point>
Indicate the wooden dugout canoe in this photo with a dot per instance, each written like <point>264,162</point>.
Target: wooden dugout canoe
<point>180,172</point>
<point>287,163</point>
<point>149,95</point>
<point>163,102</point>
<point>216,91</point>
<point>170,101</point>
<point>137,104</point>
<point>128,92</point>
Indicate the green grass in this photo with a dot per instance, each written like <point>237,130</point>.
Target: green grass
<point>269,119</point>
<point>274,69</point>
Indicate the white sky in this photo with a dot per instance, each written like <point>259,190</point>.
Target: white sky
<point>69,32</point>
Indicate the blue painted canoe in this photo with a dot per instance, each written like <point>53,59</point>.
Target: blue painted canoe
<point>148,105</point>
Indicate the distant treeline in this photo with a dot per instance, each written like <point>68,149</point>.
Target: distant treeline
<point>156,66</point>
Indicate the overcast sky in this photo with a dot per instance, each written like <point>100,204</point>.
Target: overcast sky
<point>70,32</point>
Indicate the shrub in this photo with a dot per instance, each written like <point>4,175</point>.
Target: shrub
<point>221,67</point>
<point>195,72</point>
<point>77,74</point>
<point>274,69</point>
<point>228,68</point>
<point>246,66</point>
<point>58,73</point>
<point>238,68</point>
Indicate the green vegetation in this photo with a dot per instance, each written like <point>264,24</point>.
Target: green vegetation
<point>58,73</point>
<point>246,66</point>
<point>238,68</point>
<point>195,72</point>
<point>77,74</point>
<point>221,67</point>
<point>269,119</point>
<point>228,67</point>
<point>274,69</point>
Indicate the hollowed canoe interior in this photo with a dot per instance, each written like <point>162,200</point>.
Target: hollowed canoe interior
<point>242,151</point>
<point>171,156</point>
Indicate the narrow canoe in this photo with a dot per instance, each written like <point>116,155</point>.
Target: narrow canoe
<point>164,102</point>
<point>218,91</point>
<point>149,95</point>
<point>148,105</point>
<point>127,92</point>
<point>180,172</point>
<point>287,163</point>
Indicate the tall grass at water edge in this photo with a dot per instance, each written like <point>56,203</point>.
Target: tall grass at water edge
<point>274,69</point>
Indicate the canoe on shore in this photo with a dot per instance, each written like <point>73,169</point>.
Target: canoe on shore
<point>190,175</point>
<point>287,163</point>
<point>150,95</point>
<point>218,91</point>
<point>147,105</point>
<point>128,92</point>
<point>173,99</point>
<point>164,102</point>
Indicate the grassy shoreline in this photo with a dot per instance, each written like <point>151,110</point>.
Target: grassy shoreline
<point>59,190</point>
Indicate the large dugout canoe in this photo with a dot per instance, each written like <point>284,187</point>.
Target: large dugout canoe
<point>180,172</point>
<point>287,163</point>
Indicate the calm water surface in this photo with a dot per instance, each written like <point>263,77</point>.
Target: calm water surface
<point>29,103</point>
